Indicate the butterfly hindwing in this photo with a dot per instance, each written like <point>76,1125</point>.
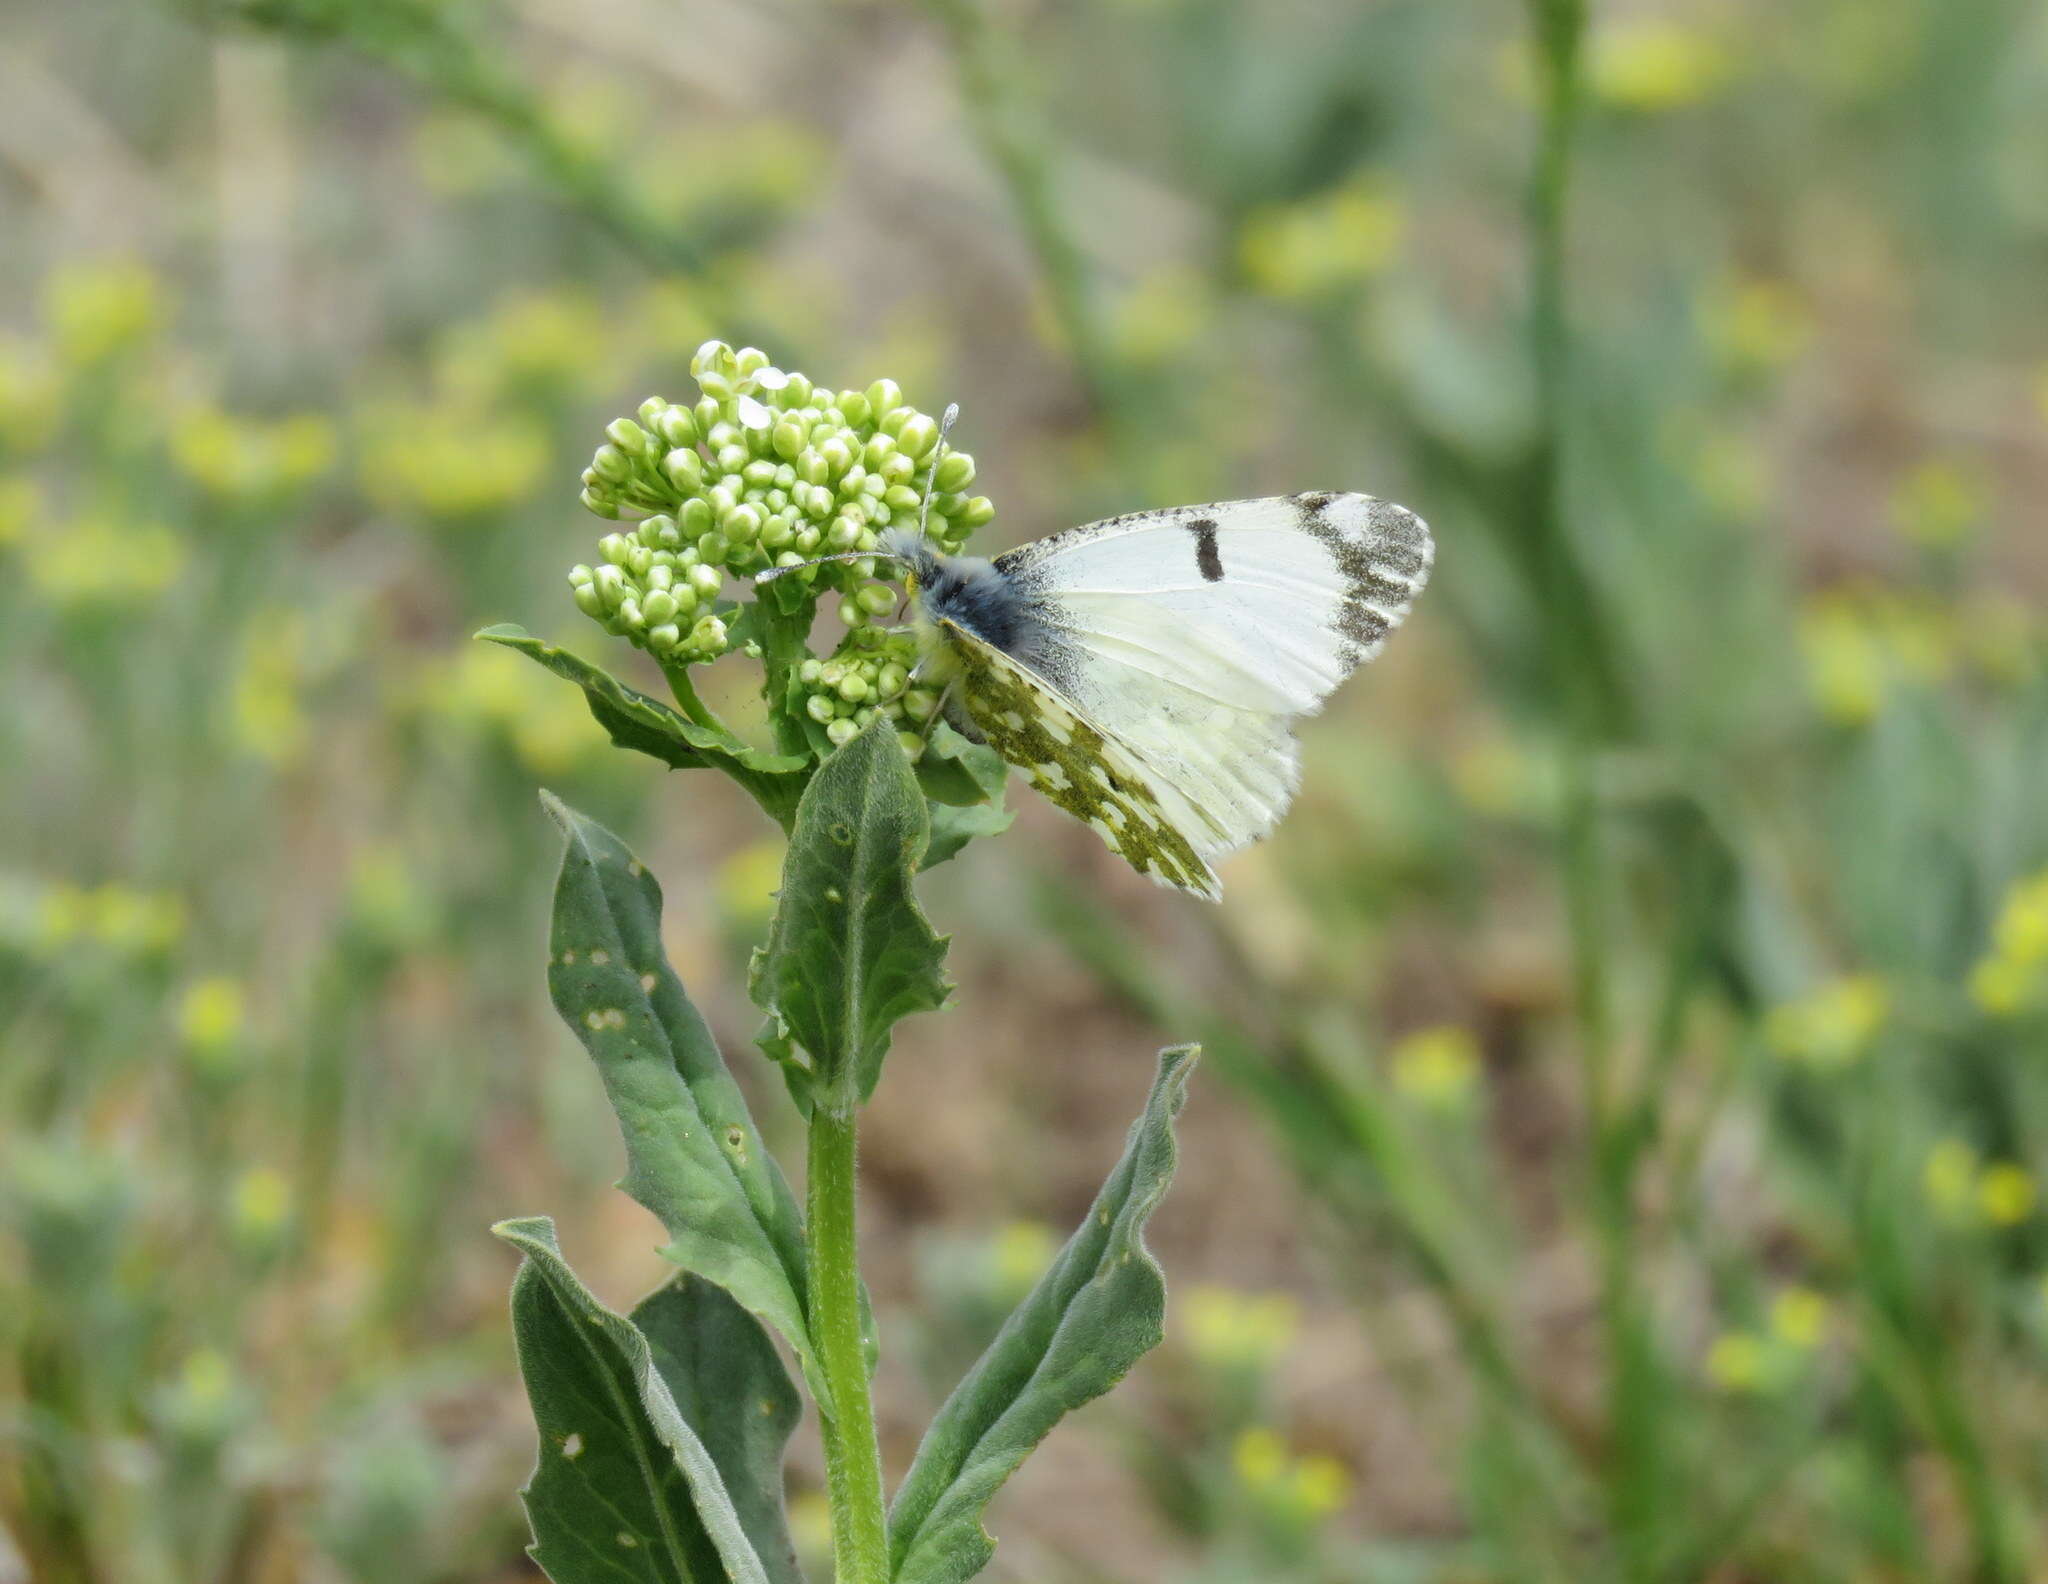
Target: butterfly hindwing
<point>1073,762</point>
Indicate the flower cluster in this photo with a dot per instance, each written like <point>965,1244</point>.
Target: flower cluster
<point>765,470</point>
<point>2013,977</point>
<point>1832,1026</point>
<point>869,673</point>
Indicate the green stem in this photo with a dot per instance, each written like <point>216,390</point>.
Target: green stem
<point>853,1458</point>
<point>685,692</point>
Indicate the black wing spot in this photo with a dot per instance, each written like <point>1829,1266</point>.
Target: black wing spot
<point>1207,557</point>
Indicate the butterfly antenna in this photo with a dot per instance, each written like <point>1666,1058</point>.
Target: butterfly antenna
<point>770,574</point>
<point>924,508</point>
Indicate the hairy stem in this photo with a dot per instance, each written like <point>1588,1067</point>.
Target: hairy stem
<point>860,1532</point>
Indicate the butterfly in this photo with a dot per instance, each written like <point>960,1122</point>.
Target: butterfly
<point>1145,672</point>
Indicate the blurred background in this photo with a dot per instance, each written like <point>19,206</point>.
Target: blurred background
<point>1618,1152</point>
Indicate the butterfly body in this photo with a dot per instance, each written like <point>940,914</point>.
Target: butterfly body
<point>1145,671</point>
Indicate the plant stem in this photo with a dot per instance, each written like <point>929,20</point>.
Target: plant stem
<point>853,1457</point>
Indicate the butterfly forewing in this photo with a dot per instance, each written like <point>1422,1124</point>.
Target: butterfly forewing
<point>1196,636</point>
<point>1076,764</point>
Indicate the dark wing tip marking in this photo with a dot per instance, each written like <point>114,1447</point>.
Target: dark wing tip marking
<point>1207,558</point>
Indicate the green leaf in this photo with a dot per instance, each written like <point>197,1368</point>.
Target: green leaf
<point>954,770</point>
<point>1090,1318</point>
<point>728,1382</point>
<point>953,828</point>
<point>626,1487</point>
<point>850,953</point>
<point>649,726</point>
<point>693,1154</point>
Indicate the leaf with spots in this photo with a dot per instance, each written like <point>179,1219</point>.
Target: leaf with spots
<point>850,953</point>
<point>638,1477</point>
<point>1090,1318</point>
<point>693,1154</point>
<point>649,726</point>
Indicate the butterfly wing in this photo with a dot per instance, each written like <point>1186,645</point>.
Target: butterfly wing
<point>1075,763</point>
<point>1194,637</point>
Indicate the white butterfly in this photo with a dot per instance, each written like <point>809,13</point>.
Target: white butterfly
<point>1145,672</point>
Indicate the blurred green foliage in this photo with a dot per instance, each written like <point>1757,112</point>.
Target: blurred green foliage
<point>1647,999</point>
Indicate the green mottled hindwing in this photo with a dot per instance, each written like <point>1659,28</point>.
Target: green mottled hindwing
<point>1073,763</point>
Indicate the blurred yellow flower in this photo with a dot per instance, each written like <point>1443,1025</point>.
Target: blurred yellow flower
<point>98,309</point>
<point>2013,977</point>
<point>451,461</point>
<point>1939,503</point>
<point>211,1015</point>
<point>1231,1330</point>
<point>1163,315</point>
<point>1303,1490</point>
<point>529,344</point>
<point>1799,1317</point>
<point>250,458</point>
<point>748,881</point>
<point>1755,325</point>
<point>1845,661</point>
<point>2006,1194</point>
<point>31,395</point>
<point>1739,1361</point>
<point>1321,244</point>
<point>265,715</point>
<point>483,687</point>
<point>1950,1178</point>
<point>1655,64</point>
<point>1436,1066</point>
<point>1023,1250</point>
<point>1832,1026</point>
<point>100,561</point>
<point>260,1206</point>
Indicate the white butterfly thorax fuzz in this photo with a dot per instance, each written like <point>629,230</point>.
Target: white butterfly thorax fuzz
<point>1145,671</point>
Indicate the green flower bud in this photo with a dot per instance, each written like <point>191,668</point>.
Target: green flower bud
<point>891,422</point>
<point>796,393</point>
<point>695,519</point>
<point>758,474</point>
<point>955,472</point>
<point>662,575</point>
<point>708,634</point>
<point>666,534</point>
<point>652,409</point>
<point>676,426</point>
<point>776,533</point>
<point>712,356</point>
<point>978,512</point>
<point>580,575</point>
<point>918,703</point>
<point>613,547</point>
<point>597,506</point>
<point>811,466</point>
<point>659,606</point>
<point>879,447</point>
<point>852,480</point>
<point>750,360</point>
<point>843,535</point>
<point>854,688</point>
<point>588,600</point>
<point>743,525</point>
<point>901,498</point>
<point>890,680</point>
<point>918,436</point>
<point>706,581</point>
<point>629,615</point>
<point>714,548</point>
<point>851,613</point>
<point>629,437</point>
<point>788,439</point>
<point>731,458</point>
<point>853,408</point>
<point>842,732</point>
<point>808,540</point>
<point>820,709</point>
<point>685,469</point>
<point>611,465</point>
<point>838,455</point>
<point>912,744</point>
<point>884,396</point>
<point>877,599</point>
<point>808,671</point>
<point>897,469</point>
<point>638,560</point>
<point>707,412</point>
<point>686,599</point>
<point>664,638</point>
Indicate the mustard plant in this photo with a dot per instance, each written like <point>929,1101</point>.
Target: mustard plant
<point>662,1432</point>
